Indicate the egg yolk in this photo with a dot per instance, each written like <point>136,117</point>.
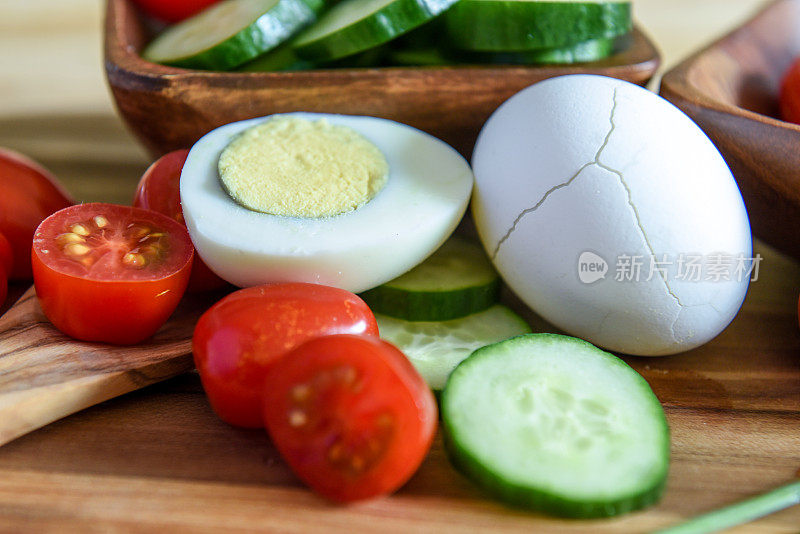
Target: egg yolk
<point>294,167</point>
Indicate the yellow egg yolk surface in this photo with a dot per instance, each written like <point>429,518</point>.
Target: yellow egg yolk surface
<point>294,167</point>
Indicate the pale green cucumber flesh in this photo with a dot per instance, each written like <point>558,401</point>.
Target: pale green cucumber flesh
<point>554,424</point>
<point>436,348</point>
<point>352,26</point>
<point>585,51</point>
<point>519,25</point>
<point>231,33</point>
<point>456,280</point>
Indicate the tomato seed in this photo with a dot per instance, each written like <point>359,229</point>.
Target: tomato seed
<point>65,239</point>
<point>76,249</point>
<point>134,260</point>
<point>297,418</point>
<point>138,232</point>
<point>100,221</point>
<point>79,229</point>
<point>301,393</point>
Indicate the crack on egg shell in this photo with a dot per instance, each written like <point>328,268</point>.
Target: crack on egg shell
<point>562,185</point>
<point>597,161</point>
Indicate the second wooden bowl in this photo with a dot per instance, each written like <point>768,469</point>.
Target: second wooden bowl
<point>170,108</point>
<point>731,90</point>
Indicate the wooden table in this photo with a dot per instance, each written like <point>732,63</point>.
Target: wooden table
<point>159,459</point>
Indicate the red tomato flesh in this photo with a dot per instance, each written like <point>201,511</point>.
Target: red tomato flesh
<point>350,415</point>
<point>790,94</point>
<point>173,10</point>
<point>110,273</point>
<point>242,335</point>
<point>28,194</point>
<point>159,190</point>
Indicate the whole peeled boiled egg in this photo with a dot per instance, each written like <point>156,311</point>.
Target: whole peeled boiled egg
<point>338,200</point>
<point>611,214</point>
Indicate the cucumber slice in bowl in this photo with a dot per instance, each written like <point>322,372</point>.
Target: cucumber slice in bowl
<point>353,26</point>
<point>555,424</point>
<point>437,347</point>
<point>585,51</point>
<point>518,25</point>
<point>456,280</point>
<point>231,33</point>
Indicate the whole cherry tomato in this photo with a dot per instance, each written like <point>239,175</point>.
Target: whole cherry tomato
<point>3,286</point>
<point>350,415</point>
<point>28,194</point>
<point>6,261</point>
<point>159,191</point>
<point>110,273</point>
<point>242,335</point>
<point>790,94</point>
<point>6,255</point>
<point>173,10</point>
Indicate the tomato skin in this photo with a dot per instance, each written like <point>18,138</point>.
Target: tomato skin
<point>242,335</point>
<point>28,194</point>
<point>790,94</point>
<point>350,415</point>
<point>158,190</point>
<point>6,255</point>
<point>173,10</point>
<point>112,306</point>
<point>3,286</point>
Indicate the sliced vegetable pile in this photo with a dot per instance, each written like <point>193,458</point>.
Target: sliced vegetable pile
<point>443,309</point>
<point>347,395</point>
<point>271,35</point>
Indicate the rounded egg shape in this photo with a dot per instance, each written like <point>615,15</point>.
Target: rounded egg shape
<point>612,215</point>
<point>426,194</point>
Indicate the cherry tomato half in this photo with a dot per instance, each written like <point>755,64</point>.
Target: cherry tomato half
<point>28,194</point>
<point>159,191</point>
<point>242,335</point>
<point>173,10</point>
<point>110,273</point>
<point>790,94</point>
<point>350,415</point>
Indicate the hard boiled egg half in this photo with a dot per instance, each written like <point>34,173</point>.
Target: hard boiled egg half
<point>344,201</point>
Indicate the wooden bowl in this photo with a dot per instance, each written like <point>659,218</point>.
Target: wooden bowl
<point>170,108</point>
<point>731,90</point>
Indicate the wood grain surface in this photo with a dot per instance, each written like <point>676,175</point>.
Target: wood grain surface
<point>731,90</point>
<point>45,375</point>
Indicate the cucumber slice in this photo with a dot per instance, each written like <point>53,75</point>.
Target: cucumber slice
<point>436,348</point>
<point>353,26</point>
<point>456,280</point>
<point>591,50</point>
<point>231,33</point>
<point>553,423</point>
<point>586,51</point>
<point>281,58</point>
<point>518,25</point>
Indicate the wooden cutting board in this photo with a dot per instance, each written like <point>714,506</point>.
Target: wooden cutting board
<point>159,459</point>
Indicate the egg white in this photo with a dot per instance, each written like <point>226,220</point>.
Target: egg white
<point>426,195</point>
